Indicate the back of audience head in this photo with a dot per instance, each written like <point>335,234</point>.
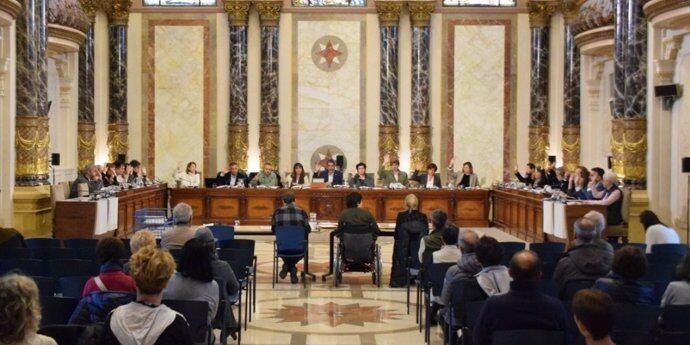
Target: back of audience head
<point>151,268</point>
<point>593,310</point>
<point>353,200</point>
<point>468,241</point>
<point>287,198</point>
<point>20,313</point>
<point>489,252</point>
<point>630,263</point>
<point>599,221</point>
<point>649,218</point>
<point>438,219</point>
<point>450,236</point>
<point>195,261</point>
<point>525,266</point>
<point>141,239</point>
<point>182,213</point>
<point>585,230</point>
<point>683,270</point>
<point>206,236</point>
<point>110,250</point>
<point>411,202</point>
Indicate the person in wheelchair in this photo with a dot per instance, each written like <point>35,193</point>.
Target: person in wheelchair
<point>356,218</point>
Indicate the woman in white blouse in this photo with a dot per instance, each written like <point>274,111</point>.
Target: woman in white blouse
<point>188,179</point>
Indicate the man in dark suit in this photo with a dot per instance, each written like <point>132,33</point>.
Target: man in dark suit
<point>231,176</point>
<point>529,170</point>
<point>91,177</point>
<point>430,179</point>
<point>330,175</point>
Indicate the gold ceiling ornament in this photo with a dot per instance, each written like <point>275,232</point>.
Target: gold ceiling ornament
<point>117,140</point>
<point>269,12</point>
<point>539,144</point>
<point>118,11</point>
<point>238,137</point>
<point>571,10</point>
<point>31,146</point>
<point>86,144</point>
<point>269,144</point>
<point>11,7</point>
<point>389,12</point>
<point>629,148</point>
<point>420,12</point>
<point>420,146</point>
<point>388,142</point>
<point>540,12</point>
<point>571,147</point>
<point>238,12</point>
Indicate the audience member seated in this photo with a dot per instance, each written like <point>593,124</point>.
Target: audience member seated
<point>612,199</point>
<point>266,177</point>
<point>623,283</point>
<point>449,251</point>
<point>193,280</point>
<point>147,321</point>
<point>678,292</point>
<point>354,214</point>
<point>464,179</point>
<point>593,312</point>
<point>290,215</point>
<point>523,307</point>
<point>539,178</point>
<point>109,252</point>
<point>11,238</point>
<point>410,227</point>
<point>190,178</point>
<point>331,175</point>
<point>434,240</point>
<point>527,179</point>
<point>494,278</point>
<point>585,260</point>
<point>231,176</point>
<point>91,177</point>
<point>467,266</point>
<point>360,178</point>
<point>394,175</point>
<point>656,232</point>
<point>595,188</point>
<point>577,184</point>
<point>599,225</point>
<point>298,177</point>
<point>20,313</point>
<point>140,239</point>
<point>430,179</point>
<point>182,230</point>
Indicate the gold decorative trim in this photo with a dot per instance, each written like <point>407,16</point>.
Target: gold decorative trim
<point>389,12</point>
<point>117,140</point>
<point>66,33</point>
<point>118,12</point>
<point>571,147</point>
<point>655,8</point>
<point>238,12</point>
<point>238,137</point>
<point>540,12</point>
<point>420,12</point>
<point>269,144</point>
<point>595,35</point>
<point>11,7</point>
<point>91,7</point>
<point>86,144</point>
<point>388,142</point>
<point>420,146</point>
<point>539,144</point>
<point>629,148</point>
<point>31,144</point>
<point>269,12</point>
<point>571,10</point>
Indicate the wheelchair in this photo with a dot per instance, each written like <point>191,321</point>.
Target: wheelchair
<point>357,251</point>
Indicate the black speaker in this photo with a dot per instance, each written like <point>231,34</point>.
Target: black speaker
<point>670,90</point>
<point>340,161</point>
<point>686,164</point>
<point>552,159</point>
<point>55,159</point>
<point>610,161</point>
<point>122,157</point>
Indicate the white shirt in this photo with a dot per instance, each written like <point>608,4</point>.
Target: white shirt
<point>430,181</point>
<point>659,234</point>
<point>187,180</point>
<point>330,177</point>
<point>447,254</point>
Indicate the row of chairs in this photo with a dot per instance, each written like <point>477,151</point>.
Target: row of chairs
<point>50,268</point>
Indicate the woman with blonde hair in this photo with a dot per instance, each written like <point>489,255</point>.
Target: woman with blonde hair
<point>410,226</point>
<point>20,312</point>
<point>140,239</point>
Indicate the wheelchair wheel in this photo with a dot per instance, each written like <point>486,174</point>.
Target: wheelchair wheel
<point>379,266</point>
<point>337,275</point>
<point>374,278</point>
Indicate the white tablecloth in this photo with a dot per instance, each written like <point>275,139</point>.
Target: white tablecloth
<point>106,214</point>
<point>554,218</point>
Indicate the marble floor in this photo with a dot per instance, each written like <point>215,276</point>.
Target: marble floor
<point>357,312</point>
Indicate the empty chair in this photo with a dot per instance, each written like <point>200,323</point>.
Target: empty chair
<point>32,243</point>
<point>660,272</point>
<point>634,323</point>
<point>52,253</point>
<point>223,232</point>
<point>75,243</point>
<point>670,252</point>
<point>195,312</point>
<point>85,253</point>
<point>63,334</point>
<point>72,286</point>
<point>72,268</point>
<point>57,310</point>
<point>527,337</point>
<point>549,252</point>
<point>46,285</point>
<point>29,267</point>
<point>509,249</point>
<point>14,253</point>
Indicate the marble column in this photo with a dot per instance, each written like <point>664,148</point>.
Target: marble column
<point>86,141</point>
<point>540,15</point>
<point>269,131</point>
<point>389,18</point>
<point>571,91</point>
<point>32,138</point>
<point>118,143</point>
<point>238,135</point>
<point>420,131</point>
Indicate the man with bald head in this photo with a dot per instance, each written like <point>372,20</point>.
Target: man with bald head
<point>523,307</point>
<point>468,266</point>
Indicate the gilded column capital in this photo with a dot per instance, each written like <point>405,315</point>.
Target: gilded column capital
<point>91,7</point>
<point>571,10</point>
<point>540,12</point>
<point>12,7</point>
<point>118,11</point>
<point>238,12</point>
<point>389,12</point>
<point>420,12</point>
<point>269,11</point>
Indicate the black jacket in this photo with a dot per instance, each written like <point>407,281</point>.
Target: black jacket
<point>585,261</point>
<point>410,228</point>
<point>224,180</point>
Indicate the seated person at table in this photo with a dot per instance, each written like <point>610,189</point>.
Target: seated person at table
<point>91,177</point>
<point>517,309</point>
<point>410,227</point>
<point>190,178</point>
<point>354,214</point>
<point>577,184</point>
<point>612,199</point>
<point>656,232</point>
<point>138,172</point>
<point>593,312</point>
<point>678,292</point>
<point>595,188</point>
<point>361,178</point>
<point>182,230</point>
<point>465,179</point>
<point>599,225</point>
<point>231,176</point>
<point>433,241</point>
<point>290,215</point>
<point>109,176</point>
<point>527,178</point>
<point>266,177</point>
<point>298,177</point>
<point>394,175</point>
<point>430,179</point>
<point>623,283</point>
<point>127,176</point>
<point>330,175</point>
<point>560,180</point>
<point>538,178</point>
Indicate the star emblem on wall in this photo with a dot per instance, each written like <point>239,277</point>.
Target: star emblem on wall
<point>329,53</point>
<point>333,314</point>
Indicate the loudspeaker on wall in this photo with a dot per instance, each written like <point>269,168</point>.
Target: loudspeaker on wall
<point>55,159</point>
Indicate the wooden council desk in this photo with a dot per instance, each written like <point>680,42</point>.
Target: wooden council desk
<point>467,208</point>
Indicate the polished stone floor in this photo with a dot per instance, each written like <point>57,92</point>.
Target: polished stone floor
<point>357,312</point>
